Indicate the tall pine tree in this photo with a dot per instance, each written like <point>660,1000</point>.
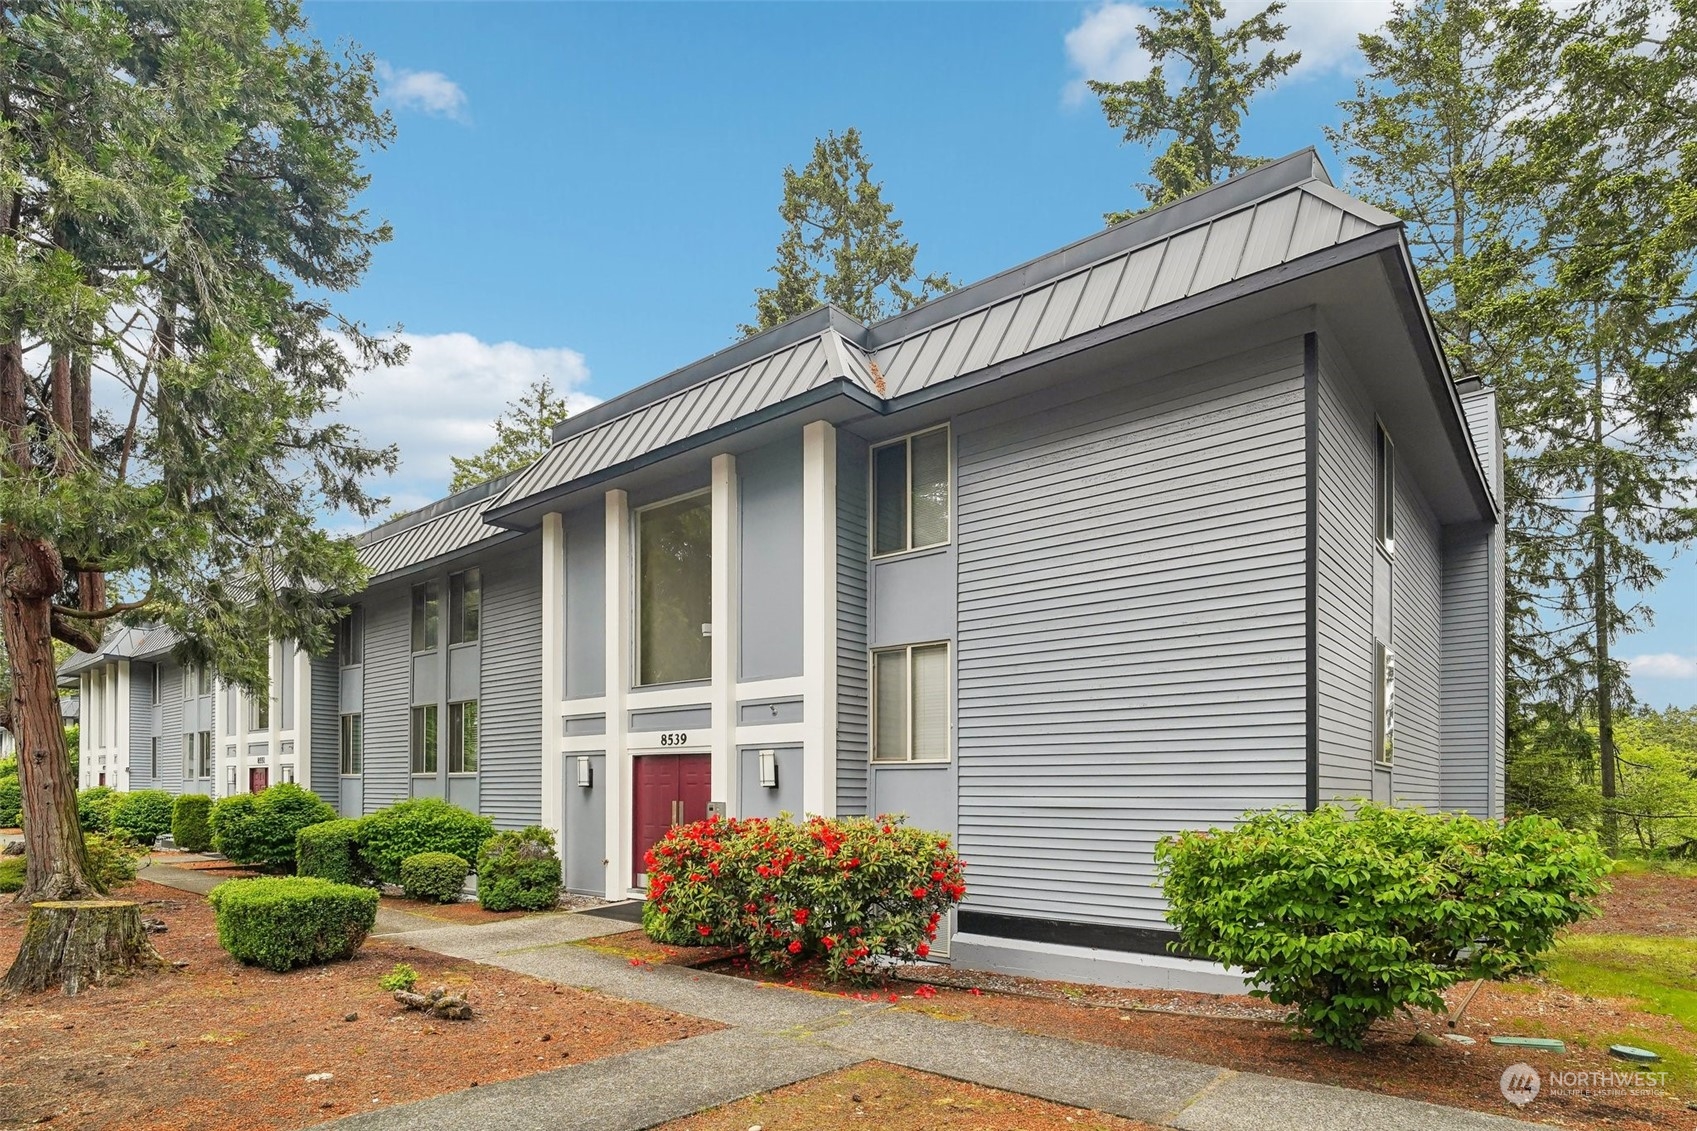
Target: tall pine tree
<point>522,434</point>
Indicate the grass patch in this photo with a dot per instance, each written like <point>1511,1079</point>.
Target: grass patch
<point>1637,865</point>
<point>1659,972</point>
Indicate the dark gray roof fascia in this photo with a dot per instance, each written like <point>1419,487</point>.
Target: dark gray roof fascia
<point>799,328</point>
<point>458,499</point>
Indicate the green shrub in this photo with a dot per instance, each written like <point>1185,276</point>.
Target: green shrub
<point>434,877</point>
<point>280,922</point>
<point>146,813</point>
<point>191,822</point>
<point>424,824</point>
<point>1350,917</point>
<point>11,874</point>
<point>519,871</point>
<point>11,802</point>
<point>400,977</point>
<point>851,892</point>
<point>112,859</point>
<point>260,828</point>
<point>330,851</point>
<point>94,808</point>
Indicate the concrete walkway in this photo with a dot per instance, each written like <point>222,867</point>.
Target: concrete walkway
<point>777,1036</point>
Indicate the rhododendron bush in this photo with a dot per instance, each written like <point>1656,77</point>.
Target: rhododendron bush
<point>850,891</point>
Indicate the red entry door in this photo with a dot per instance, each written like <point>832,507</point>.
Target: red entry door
<point>667,790</point>
<point>257,779</point>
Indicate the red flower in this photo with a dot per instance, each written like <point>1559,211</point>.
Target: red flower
<point>925,991</point>
<point>801,915</point>
<point>795,946</point>
<point>922,950</point>
<point>937,875</point>
<point>976,992</point>
<point>704,930</point>
<point>894,997</point>
<point>830,942</point>
<point>919,893</point>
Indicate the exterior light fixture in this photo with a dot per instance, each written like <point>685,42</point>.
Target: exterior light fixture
<point>769,769</point>
<point>585,771</point>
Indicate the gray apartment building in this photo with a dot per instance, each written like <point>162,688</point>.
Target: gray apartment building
<point>1184,519</point>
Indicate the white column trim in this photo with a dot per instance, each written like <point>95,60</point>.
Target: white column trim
<point>727,626</point>
<point>618,786</point>
<point>553,671</point>
<point>819,617</point>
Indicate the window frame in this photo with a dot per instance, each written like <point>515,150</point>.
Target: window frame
<point>350,638</point>
<point>153,755</point>
<point>1384,705</point>
<point>873,706</point>
<point>636,587</point>
<point>1384,488</point>
<point>420,727</point>
<point>205,755</point>
<point>156,682</point>
<point>259,712</point>
<point>431,612</point>
<point>907,496</point>
<point>457,736</point>
<point>357,747</point>
<point>457,589</point>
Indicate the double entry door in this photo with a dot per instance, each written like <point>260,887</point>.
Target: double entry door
<point>667,790</point>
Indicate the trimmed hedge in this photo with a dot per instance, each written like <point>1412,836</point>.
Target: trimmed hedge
<point>329,850</point>
<point>144,814</point>
<point>94,808</point>
<point>280,922</point>
<point>12,870</point>
<point>260,828</point>
<point>191,822</point>
<point>11,802</point>
<point>112,859</point>
<point>424,824</point>
<point>435,877</point>
<point>519,871</point>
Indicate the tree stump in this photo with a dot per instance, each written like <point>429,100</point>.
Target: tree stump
<point>78,943</point>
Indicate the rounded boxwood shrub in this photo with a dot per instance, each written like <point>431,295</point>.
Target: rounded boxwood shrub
<point>191,822</point>
<point>424,824</point>
<point>1350,917</point>
<point>94,808</point>
<point>12,870</point>
<point>330,851</point>
<point>280,922</point>
<point>519,871</point>
<point>260,828</point>
<point>145,814</point>
<point>11,801</point>
<point>435,877</point>
<point>112,859</point>
<point>852,892</point>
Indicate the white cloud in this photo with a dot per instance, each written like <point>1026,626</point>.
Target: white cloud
<point>443,402</point>
<point>432,92</point>
<point>1104,44</point>
<point>1664,665</point>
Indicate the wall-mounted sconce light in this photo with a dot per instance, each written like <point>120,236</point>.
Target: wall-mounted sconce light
<point>769,769</point>
<point>585,771</point>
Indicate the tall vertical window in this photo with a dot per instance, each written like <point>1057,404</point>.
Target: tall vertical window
<point>910,704</point>
<point>353,745</point>
<point>1385,502</point>
<point>1384,703</point>
<point>674,591</point>
<point>462,737</point>
<point>426,607</point>
<point>156,678</point>
<point>465,606</point>
<point>910,492</point>
<point>424,739</point>
<point>259,710</point>
<point>153,760</point>
<point>203,754</point>
<point>350,638</point>
<point>188,756</point>
<point>202,679</point>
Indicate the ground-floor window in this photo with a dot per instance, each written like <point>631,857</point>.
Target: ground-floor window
<point>1384,702</point>
<point>197,754</point>
<point>424,739</point>
<point>353,748</point>
<point>153,757</point>
<point>910,703</point>
<point>462,737</point>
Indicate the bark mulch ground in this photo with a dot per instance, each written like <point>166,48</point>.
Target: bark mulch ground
<point>874,1094</point>
<point>217,1046</point>
<point>1647,903</point>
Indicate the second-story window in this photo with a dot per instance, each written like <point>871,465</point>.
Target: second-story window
<point>465,606</point>
<point>910,492</point>
<point>1385,495</point>
<point>259,710</point>
<point>350,638</point>
<point>674,590</point>
<point>426,608</point>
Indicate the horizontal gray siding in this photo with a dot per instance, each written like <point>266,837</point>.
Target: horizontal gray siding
<point>325,754</point>
<point>510,705</point>
<point>141,727</point>
<point>1346,544</point>
<point>853,702</point>
<point>1481,410</point>
<point>387,696</point>
<point>1131,629</point>
<point>1467,678</point>
<point>1417,634</point>
<point>171,727</point>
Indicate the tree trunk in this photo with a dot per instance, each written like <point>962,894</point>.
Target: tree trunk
<point>75,944</point>
<point>30,576</point>
<point>1601,610</point>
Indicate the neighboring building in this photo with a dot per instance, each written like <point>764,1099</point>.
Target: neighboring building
<point>1182,520</point>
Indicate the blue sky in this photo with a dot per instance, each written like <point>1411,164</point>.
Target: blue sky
<point>590,191</point>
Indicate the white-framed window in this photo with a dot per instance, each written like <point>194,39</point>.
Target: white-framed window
<point>426,610</point>
<point>153,757</point>
<point>203,754</point>
<point>188,756</point>
<point>1384,703</point>
<point>1384,504</point>
<point>230,782</point>
<point>350,638</point>
<point>462,737</point>
<point>353,745</point>
<point>202,679</point>
<point>910,492</point>
<point>910,703</point>
<point>259,710</point>
<point>674,590</point>
<point>424,740</point>
<point>156,678</point>
<point>286,773</point>
<point>465,605</point>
